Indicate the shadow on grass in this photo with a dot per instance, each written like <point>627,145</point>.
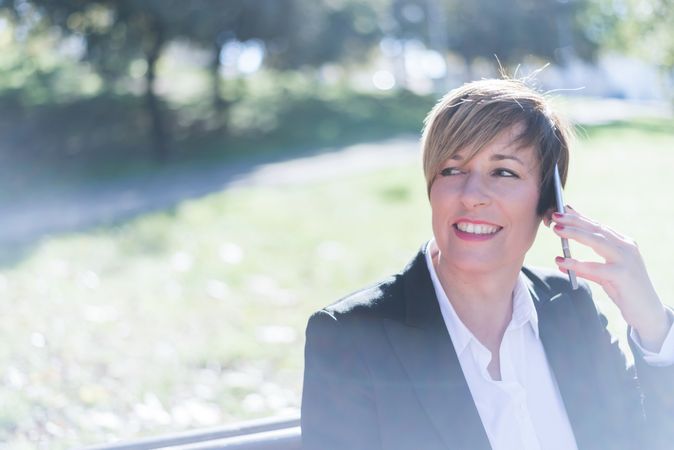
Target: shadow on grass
<point>106,137</point>
<point>96,149</point>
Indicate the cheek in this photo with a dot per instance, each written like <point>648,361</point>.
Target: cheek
<point>443,207</point>
<point>524,207</point>
<point>529,213</point>
<point>527,197</point>
<point>437,200</point>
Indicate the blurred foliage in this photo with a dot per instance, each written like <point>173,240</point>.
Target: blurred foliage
<point>106,48</point>
<point>117,32</point>
<point>93,138</point>
<point>641,27</point>
<point>515,29</point>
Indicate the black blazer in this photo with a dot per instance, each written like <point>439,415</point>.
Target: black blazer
<point>381,372</point>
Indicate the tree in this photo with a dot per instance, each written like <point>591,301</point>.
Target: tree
<point>508,29</point>
<point>643,28</point>
<point>315,32</point>
<point>117,32</point>
<point>514,29</point>
<point>295,33</point>
<point>211,25</point>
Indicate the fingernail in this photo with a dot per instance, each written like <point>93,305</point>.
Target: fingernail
<point>559,259</point>
<point>557,215</point>
<point>559,226</point>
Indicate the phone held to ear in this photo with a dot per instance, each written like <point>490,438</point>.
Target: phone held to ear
<point>559,196</point>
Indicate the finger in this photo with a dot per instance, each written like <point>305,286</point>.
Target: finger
<point>600,273</point>
<point>576,220</point>
<point>605,246</point>
<point>608,286</point>
<point>571,210</point>
<point>570,207</point>
<point>579,221</point>
<point>611,244</point>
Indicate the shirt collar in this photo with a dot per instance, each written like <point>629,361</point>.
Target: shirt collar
<point>524,311</point>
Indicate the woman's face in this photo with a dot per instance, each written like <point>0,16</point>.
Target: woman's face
<point>484,210</point>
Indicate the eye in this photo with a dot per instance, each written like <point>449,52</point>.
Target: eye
<point>449,171</point>
<point>505,173</point>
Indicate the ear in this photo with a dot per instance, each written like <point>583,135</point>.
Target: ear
<point>547,216</point>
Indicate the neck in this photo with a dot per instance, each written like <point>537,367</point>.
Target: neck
<point>482,300</point>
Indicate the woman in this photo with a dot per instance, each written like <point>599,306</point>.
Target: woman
<point>465,348</point>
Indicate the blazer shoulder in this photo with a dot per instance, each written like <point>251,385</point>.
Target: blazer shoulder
<point>378,300</point>
<point>550,283</point>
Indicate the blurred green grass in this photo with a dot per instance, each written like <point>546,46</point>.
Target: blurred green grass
<point>195,316</point>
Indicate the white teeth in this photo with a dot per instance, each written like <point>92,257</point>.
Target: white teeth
<point>476,228</point>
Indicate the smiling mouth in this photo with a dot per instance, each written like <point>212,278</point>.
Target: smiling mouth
<point>477,228</point>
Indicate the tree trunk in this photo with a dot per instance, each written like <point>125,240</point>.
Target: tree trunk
<point>158,133</point>
<point>220,105</point>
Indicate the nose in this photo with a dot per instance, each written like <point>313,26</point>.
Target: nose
<point>475,193</point>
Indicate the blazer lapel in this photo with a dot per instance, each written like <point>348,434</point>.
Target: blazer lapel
<point>425,349</point>
<point>562,336</point>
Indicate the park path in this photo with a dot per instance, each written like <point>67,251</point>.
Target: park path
<point>27,221</point>
<point>120,199</point>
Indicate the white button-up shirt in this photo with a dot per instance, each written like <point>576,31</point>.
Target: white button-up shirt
<point>524,410</point>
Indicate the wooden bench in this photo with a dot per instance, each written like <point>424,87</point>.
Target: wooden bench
<point>265,434</point>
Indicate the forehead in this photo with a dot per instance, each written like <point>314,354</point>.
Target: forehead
<point>508,143</point>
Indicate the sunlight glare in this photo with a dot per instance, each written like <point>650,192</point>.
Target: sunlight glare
<point>383,80</point>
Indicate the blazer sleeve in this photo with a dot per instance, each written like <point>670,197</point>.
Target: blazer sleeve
<point>641,394</point>
<point>657,387</point>
<point>338,407</point>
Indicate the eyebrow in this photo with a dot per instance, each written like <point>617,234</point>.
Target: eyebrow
<point>494,157</point>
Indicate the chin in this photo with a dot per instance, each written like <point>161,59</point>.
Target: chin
<point>470,265</point>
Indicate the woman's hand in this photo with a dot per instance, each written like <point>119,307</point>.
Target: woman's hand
<point>623,274</point>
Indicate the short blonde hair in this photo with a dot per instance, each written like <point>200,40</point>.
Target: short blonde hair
<point>470,117</point>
